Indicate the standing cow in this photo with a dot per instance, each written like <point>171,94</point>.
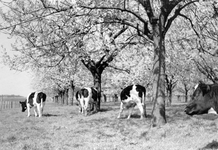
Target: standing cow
<point>204,100</point>
<point>130,97</point>
<point>85,97</point>
<point>35,100</point>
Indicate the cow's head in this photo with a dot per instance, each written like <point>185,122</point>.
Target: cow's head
<point>201,100</point>
<point>23,105</point>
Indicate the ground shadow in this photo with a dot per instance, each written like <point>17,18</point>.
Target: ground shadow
<point>49,115</point>
<point>105,109</point>
<point>137,116</point>
<point>206,116</point>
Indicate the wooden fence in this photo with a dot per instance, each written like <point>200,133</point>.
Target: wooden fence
<point>8,104</point>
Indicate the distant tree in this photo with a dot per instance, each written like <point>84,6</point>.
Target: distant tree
<point>170,85</point>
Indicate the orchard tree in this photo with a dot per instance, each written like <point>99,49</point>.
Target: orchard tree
<point>108,47</point>
<point>151,20</point>
<point>192,49</point>
<point>58,35</point>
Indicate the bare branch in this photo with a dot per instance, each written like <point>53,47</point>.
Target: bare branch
<point>115,8</point>
<point>116,68</point>
<point>177,12</point>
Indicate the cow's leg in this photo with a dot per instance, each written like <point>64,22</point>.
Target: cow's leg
<point>130,112</point>
<point>144,108</point>
<point>81,105</point>
<point>28,110</point>
<point>80,108</point>
<point>121,110</point>
<point>139,104</point>
<point>43,105</point>
<point>86,101</point>
<point>94,108</point>
<point>40,108</point>
<point>35,110</point>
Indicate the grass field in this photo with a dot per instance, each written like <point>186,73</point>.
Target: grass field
<point>63,128</point>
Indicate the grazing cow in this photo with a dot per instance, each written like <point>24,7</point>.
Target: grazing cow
<point>204,100</point>
<point>35,100</point>
<point>86,97</point>
<point>130,97</point>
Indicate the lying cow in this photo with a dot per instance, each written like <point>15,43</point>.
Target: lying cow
<point>204,100</point>
<point>130,97</point>
<point>86,97</point>
<point>35,100</point>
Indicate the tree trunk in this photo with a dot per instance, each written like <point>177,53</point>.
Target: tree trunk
<point>71,93</point>
<point>62,97</point>
<point>66,96</point>
<point>158,77</point>
<point>97,85</point>
<point>170,97</point>
<point>186,95</point>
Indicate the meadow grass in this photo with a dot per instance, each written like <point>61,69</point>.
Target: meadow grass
<point>63,128</point>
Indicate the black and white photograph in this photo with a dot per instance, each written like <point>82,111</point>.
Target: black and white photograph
<point>108,74</point>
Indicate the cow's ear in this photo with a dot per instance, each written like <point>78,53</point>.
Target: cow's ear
<point>20,102</point>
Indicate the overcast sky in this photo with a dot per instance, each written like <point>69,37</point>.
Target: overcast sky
<point>12,82</point>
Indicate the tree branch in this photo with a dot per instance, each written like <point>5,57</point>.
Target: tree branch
<point>116,68</point>
<point>177,12</point>
<point>113,8</point>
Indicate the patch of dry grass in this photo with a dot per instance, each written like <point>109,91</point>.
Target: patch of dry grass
<point>62,128</point>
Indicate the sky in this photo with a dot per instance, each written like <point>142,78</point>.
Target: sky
<point>11,81</point>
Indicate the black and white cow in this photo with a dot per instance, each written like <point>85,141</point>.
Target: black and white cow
<point>35,100</point>
<point>204,100</point>
<point>130,97</point>
<point>85,97</point>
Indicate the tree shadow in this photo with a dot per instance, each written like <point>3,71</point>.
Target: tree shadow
<point>136,116</point>
<point>105,109</point>
<point>49,115</point>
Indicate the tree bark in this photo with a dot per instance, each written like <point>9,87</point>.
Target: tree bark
<point>66,96</point>
<point>97,86</point>
<point>71,93</point>
<point>158,76</point>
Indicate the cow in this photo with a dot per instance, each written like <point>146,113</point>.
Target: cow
<point>131,96</point>
<point>204,100</point>
<point>35,100</point>
<point>87,96</point>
